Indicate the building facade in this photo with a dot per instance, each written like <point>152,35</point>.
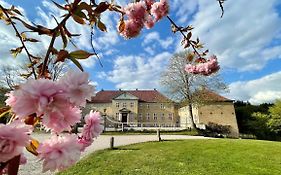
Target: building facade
<point>150,108</point>
<point>147,108</point>
<point>212,108</point>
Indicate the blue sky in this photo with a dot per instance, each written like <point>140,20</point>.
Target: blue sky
<point>246,41</point>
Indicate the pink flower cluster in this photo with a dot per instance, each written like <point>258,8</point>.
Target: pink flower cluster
<point>91,130</point>
<point>206,68</point>
<point>143,13</point>
<point>56,102</point>
<point>13,138</point>
<point>59,152</point>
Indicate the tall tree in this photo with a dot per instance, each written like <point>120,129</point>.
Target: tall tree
<point>181,86</point>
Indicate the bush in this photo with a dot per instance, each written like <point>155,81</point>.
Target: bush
<point>216,130</point>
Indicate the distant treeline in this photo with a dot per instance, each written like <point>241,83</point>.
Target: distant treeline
<point>263,121</point>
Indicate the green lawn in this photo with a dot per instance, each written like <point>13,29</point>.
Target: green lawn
<point>206,157</point>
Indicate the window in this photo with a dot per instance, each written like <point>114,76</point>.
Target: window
<point>117,105</point>
<point>131,116</point>
<point>170,116</point>
<point>221,112</point>
<point>154,116</point>
<point>211,113</point>
<point>140,116</point>
<point>117,116</point>
<point>147,116</point>
<point>161,106</point>
<point>147,106</point>
<point>163,116</point>
<point>155,124</point>
<point>132,104</point>
<point>124,105</point>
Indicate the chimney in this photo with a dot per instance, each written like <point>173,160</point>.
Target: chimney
<point>137,89</point>
<point>155,89</point>
<point>120,89</point>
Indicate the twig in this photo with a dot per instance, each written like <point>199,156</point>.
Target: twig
<point>179,29</point>
<point>221,6</point>
<point>92,34</point>
<point>18,34</point>
<point>54,36</point>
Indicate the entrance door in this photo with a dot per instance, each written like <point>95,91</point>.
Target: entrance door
<point>124,118</point>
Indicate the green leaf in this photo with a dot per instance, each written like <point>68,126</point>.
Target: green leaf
<point>80,54</point>
<point>76,63</point>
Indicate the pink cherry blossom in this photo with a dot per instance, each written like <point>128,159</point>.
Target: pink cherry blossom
<point>84,143</point>
<point>59,152</point>
<point>92,127</point>
<point>132,28</point>
<point>77,87</point>
<point>13,138</point>
<point>160,9</point>
<point>62,119</point>
<point>149,22</point>
<point>33,97</point>
<point>206,68</point>
<point>136,11</point>
<point>11,100</point>
<point>149,3</point>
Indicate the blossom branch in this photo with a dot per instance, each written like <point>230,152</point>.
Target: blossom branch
<point>180,29</point>
<point>21,39</point>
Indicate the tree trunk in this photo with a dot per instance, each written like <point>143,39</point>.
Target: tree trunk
<point>193,126</point>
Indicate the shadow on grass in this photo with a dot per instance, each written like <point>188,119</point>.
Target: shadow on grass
<point>166,140</point>
<point>126,149</point>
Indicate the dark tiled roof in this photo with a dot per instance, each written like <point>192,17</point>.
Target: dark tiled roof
<point>105,96</point>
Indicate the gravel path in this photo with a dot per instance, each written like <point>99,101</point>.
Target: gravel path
<point>34,167</point>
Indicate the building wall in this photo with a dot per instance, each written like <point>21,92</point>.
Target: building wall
<point>185,118</point>
<point>222,113</point>
<point>160,114</point>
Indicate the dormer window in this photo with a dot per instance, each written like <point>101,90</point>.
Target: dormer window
<point>117,105</point>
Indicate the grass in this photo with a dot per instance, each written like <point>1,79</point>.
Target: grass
<point>188,157</point>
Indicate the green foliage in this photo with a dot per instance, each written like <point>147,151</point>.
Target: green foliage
<point>275,121</point>
<point>185,157</point>
<point>244,117</point>
<point>216,130</point>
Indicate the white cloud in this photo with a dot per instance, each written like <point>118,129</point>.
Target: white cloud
<point>102,40</point>
<point>265,89</point>
<point>242,38</point>
<point>183,9</point>
<point>132,72</point>
<point>153,40</point>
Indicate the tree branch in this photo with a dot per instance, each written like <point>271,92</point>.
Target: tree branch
<point>18,34</point>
